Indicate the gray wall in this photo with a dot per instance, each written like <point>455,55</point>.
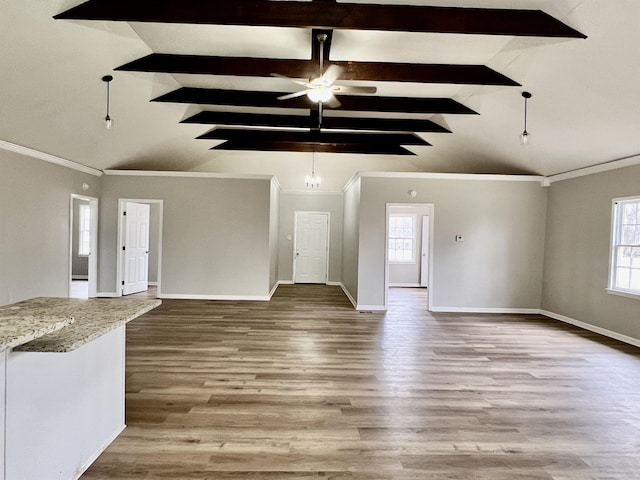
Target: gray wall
<point>577,251</point>
<point>351,238</point>
<point>34,226</point>
<point>79,264</point>
<point>310,202</point>
<point>503,225</point>
<point>215,233</point>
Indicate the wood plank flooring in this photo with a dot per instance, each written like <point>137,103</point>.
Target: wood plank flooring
<point>303,387</point>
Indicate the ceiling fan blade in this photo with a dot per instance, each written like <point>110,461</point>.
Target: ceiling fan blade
<point>342,89</point>
<point>299,82</point>
<point>293,95</point>
<point>331,75</point>
<point>332,102</point>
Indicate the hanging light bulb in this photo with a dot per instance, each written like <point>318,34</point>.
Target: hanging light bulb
<point>313,180</point>
<point>525,136</point>
<point>107,119</point>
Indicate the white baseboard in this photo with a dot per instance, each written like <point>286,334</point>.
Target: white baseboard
<point>79,277</point>
<point>107,295</point>
<point>273,290</point>
<point>404,285</point>
<point>189,296</point>
<point>515,311</point>
<point>334,284</point>
<point>346,292</point>
<point>285,282</point>
<point>95,456</point>
<point>592,328</point>
<point>152,284</point>
<point>361,308</point>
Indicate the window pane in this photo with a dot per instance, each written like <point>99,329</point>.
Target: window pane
<point>624,257</point>
<point>622,278</point>
<point>402,237</point>
<point>634,283</point>
<point>630,213</point>
<point>84,223</point>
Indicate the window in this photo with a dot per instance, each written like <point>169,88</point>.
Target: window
<point>84,236</point>
<point>402,238</point>
<point>624,272</point>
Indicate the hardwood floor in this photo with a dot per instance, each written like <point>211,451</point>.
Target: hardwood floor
<point>303,387</point>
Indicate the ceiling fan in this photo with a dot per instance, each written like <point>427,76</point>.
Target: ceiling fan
<point>322,89</point>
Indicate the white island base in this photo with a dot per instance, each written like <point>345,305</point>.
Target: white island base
<point>62,383</point>
<point>63,409</point>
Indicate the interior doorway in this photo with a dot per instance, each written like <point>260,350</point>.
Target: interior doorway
<point>311,247</point>
<point>139,259</point>
<point>83,247</point>
<point>409,248</point>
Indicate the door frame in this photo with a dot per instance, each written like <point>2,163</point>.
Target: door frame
<point>295,240</point>
<point>93,248</point>
<point>431,214</point>
<point>120,257</point>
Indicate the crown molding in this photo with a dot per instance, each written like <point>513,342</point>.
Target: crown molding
<point>47,157</point>
<point>163,173</point>
<point>600,168</point>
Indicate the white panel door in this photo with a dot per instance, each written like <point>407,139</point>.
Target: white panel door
<point>312,230</point>
<point>424,259</point>
<point>136,248</point>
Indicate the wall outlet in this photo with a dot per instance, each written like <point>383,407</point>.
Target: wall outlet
<point>459,238</point>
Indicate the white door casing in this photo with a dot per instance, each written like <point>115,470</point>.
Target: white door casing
<point>311,247</point>
<point>136,248</point>
<point>424,259</point>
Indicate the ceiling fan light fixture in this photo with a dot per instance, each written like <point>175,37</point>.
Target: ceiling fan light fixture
<point>525,136</point>
<point>108,121</point>
<point>320,94</point>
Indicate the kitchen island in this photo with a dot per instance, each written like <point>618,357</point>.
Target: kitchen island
<point>62,382</point>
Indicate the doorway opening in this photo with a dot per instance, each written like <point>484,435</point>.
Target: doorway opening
<point>83,247</point>
<point>311,247</point>
<point>139,258</point>
<point>409,250</point>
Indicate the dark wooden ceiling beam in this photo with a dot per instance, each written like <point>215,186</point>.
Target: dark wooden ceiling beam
<point>313,137</point>
<point>367,71</point>
<point>305,121</point>
<point>204,96</point>
<point>329,15</point>
<point>353,148</point>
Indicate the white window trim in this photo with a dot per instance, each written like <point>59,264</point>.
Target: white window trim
<point>413,259</point>
<point>611,288</point>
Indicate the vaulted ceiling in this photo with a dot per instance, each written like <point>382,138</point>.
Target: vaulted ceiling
<point>197,84</point>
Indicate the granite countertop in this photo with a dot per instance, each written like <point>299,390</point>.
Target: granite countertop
<point>19,324</point>
<point>92,318</point>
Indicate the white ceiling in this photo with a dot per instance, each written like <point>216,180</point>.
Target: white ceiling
<point>585,108</point>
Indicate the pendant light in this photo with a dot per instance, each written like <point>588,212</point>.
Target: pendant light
<point>107,119</point>
<point>313,180</point>
<point>525,137</point>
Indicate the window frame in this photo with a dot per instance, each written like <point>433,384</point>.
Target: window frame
<point>617,204</point>
<point>84,230</point>
<point>414,219</point>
